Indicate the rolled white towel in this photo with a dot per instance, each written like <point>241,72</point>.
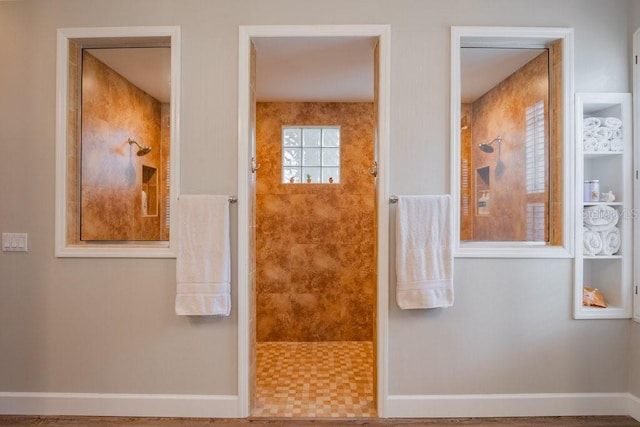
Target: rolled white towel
<point>592,242</point>
<point>610,241</point>
<point>616,144</point>
<point>591,123</point>
<point>603,145</point>
<point>600,217</point>
<point>612,122</point>
<point>590,144</point>
<point>617,133</point>
<point>602,133</point>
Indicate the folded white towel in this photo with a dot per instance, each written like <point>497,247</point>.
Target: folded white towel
<point>424,257</point>
<point>592,242</point>
<point>610,241</point>
<point>203,260</point>
<point>600,217</point>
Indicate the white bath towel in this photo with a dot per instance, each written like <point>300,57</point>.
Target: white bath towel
<point>592,242</point>
<point>424,257</point>
<point>603,145</point>
<point>612,122</point>
<point>600,217</point>
<point>610,241</point>
<point>203,261</point>
<point>590,144</point>
<point>602,133</point>
<point>617,144</point>
<point>617,134</point>
<point>590,123</point>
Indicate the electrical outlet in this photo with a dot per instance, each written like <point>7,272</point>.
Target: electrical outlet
<point>14,242</point>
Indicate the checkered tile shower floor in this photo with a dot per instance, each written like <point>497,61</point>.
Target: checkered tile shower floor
<point>314,379</point>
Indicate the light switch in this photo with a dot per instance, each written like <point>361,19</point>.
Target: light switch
<point>15,242</point>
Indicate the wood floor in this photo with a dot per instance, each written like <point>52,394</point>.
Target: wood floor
<point>302,422</point>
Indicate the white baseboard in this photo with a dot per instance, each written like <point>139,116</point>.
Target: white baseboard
<point>398,406</point>
<point>634,407</point>
<point>120,405</point>
<point>509,405</point>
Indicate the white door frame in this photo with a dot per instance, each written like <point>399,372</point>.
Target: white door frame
<point>246,34</point>
<point>636,143</point>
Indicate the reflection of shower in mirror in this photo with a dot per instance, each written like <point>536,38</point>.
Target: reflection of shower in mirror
<point>487,146</point>
<point>142,150</point>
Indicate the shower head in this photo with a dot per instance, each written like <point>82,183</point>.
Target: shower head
<point>141,150</point>
<point>487,146</point>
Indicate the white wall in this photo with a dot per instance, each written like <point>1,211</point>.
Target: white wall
<point>107,325</point>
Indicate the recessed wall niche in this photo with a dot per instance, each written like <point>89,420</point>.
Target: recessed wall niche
<point>149,194</point>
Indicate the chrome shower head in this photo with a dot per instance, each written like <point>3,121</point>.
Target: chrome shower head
<point>487,146</point>
<point>141,150</point>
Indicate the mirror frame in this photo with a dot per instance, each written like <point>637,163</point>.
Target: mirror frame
<point>117,36</point>
<point>538,37</point>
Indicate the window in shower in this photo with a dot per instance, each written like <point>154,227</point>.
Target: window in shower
<point>311,154</point>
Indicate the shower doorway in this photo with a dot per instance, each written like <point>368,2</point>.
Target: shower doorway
<point>313,299</point>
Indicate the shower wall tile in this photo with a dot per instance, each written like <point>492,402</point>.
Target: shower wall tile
<point>502,111</point>
<point>111,170</point>
<point>315,243</point>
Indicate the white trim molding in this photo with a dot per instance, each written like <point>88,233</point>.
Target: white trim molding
<point>512,405</point>
<point>119,405</point>
<point>514,37</point>
<point>397,406</point>
<point>114,36</point>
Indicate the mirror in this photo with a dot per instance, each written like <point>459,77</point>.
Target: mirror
<point>510,162</point>
<point>117,145</point>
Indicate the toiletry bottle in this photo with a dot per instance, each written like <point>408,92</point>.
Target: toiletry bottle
<point>482,203</point>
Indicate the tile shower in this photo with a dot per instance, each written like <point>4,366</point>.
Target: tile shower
<point>316,273</point>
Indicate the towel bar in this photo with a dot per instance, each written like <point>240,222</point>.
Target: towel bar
<point>393,199</point>
<point>233,199</point>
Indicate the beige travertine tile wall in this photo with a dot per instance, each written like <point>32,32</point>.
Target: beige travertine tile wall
<point>111,170</point>
<point>316,242</point>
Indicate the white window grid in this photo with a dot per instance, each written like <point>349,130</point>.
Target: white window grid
<point>310,154</point>
<point>535,161</point>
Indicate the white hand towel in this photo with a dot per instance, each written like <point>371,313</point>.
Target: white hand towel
<point>424,257</point>
<point>203,262</point>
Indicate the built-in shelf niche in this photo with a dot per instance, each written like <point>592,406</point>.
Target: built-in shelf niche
<point>610,274</point>
<point>149,195</point>
<point>482,190</point>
